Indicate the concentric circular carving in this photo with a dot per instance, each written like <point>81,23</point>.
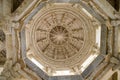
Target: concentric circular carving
<point>61,35</point>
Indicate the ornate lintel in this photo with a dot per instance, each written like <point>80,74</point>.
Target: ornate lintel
<point>8,24</point>
<point>7,27</point>
<point>115,23</point>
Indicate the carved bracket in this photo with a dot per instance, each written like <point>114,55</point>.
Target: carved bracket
<point>115,22</point>
<point>116,62</point>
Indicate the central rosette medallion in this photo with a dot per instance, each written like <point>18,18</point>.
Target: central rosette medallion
<point>59,35</point>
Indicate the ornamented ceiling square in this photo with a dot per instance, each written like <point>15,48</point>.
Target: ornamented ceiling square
<point>61,36</point>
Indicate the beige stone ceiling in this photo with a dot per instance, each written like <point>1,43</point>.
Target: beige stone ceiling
<point>61,36</point>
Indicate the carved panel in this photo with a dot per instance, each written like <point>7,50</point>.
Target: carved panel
<point>61,36</point>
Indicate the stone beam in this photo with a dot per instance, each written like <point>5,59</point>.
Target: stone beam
<point>40,6</point>
<point>36,69</point>
<point>97,71</point>
<point>29,63</point>
<point>107,8</point>
<point>92,66</point>
<point>23,43</point>
<point>24,8</point>
<point>72,77</point>
<point>106,73</point>
<point>92,12</point>
<point>103,39</point>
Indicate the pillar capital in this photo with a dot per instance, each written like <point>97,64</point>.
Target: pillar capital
<point>115,23</point>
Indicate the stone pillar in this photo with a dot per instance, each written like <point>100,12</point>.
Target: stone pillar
<point>119,40</point>
<point>115,41</point>
<point>115,59</point>
<point>7,5</point>
<point>15,42</point>
<point>1,8</point>
<point>115,24</point>
<point>12,43</point>
<point>110,41</point>
<point>103,39</point>
<point>9,48</point>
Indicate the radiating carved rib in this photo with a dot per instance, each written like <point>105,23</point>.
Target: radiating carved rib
<point>54,18</point>
<point>66,53</point>
<point>63,15</point>
<point>41,39</point>
<point>78,38</point>
<point>60,29</point>
<point>46,47</point>
<point>77,29</point>
<point>71,22</point>
<point>53,31</point>
<point>55,53</point>
<point>47,22</point>
<point>41,30</point>
<point>57,29</point>
<point>73,46</point>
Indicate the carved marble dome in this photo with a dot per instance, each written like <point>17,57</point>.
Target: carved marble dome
<point>61,36</point>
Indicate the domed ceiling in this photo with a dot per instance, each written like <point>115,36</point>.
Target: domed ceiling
<point>61,36</point>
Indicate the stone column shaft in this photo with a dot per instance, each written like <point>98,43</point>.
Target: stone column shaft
<point>7,5</point>
<point>9,46</point>
<point>115,41</point>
